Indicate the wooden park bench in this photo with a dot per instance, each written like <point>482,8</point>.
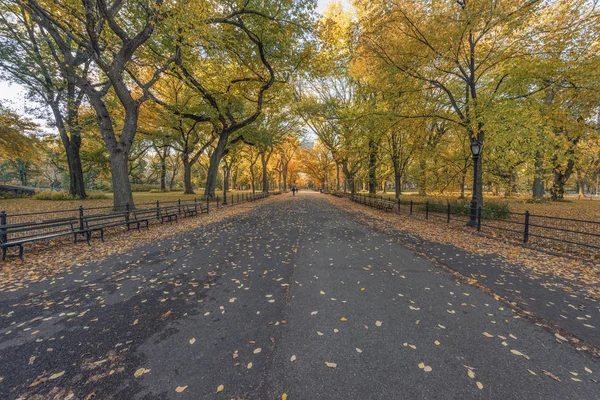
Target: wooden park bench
<point>379,203</point>
<point>167,214</point>
<point>189,211</point>
<point>256,196</point>
<point>16,235</point>
<point>100,222</point>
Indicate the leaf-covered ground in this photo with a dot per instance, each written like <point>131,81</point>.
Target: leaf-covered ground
<point>43,260</point>
<point>292,300</point>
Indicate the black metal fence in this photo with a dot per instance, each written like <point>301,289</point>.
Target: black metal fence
<point>551,233</point>
<point>81,213</point>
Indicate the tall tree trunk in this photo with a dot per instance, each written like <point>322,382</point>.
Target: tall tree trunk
<point>422,181</point>
<point>538,182</point>
<point>285,173</point>
<point>265,178</point>
<point>119,162</point>
<point>72,147</point>
<point>234,185</point>
<point>372,166</point>
<point>213,167</point>
<point>397,177</point>
<point>279,173</point>
<point>187,175</point>
<point>118,149</point>
<point>337,176</point>
<point>560,178</point>
<point>580,186</point>
<point>252,178</point>
<point>76,179</point>
<point>480,181</point>
<point>163,170</point>
<point>349,176</point>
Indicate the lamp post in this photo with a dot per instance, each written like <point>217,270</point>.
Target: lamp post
<point>476,147</point>
<point>225,184</point>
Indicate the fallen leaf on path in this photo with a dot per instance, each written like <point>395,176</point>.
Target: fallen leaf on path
<point>330,364</point>
<point>140,372</point>
<point>180,389</point>
<point>220,388</point>
<point>518,353</point>
<point>192,340</point>
<point>551,375</point>
<point>560,337</point>
<point>57,375</point>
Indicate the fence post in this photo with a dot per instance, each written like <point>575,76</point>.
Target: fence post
<point>3,236</point>
<point>195,204</point>
<point>179,206</point>
<point>526,231</point>
<point>479,219</point>
<point>448,217</point>
<point>232,199</point>
<point>411,204</point>
<point>426,209</point>
<point>157,209</point>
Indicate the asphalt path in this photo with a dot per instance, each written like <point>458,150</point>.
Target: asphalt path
<point>292,298</point>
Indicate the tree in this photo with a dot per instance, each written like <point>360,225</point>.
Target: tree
<point>95,43</point>
<point>29,57</point>
<point>237,54</point>
<point>458,48</point>
<point>15,133</point>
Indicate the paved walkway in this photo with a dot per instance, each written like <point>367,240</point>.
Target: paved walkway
<point>293,298</point>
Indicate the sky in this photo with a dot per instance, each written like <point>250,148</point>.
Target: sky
<point>13,95</point>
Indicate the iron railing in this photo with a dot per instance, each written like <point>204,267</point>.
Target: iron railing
<point>552,233</point>
<point>79,215</point>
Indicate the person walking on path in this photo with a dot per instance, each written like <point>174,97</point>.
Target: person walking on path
<point>293,190</point>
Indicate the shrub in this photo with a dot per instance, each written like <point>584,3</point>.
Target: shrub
<point>97,196</point>
<point>53,196</point>
<point>495,210</point>
<point>167,190</point>
<point>144,187</point>
<point>7,196</point>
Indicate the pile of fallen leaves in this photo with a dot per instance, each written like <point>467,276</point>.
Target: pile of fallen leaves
<point>43,260</point>
<point>580,272</point>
